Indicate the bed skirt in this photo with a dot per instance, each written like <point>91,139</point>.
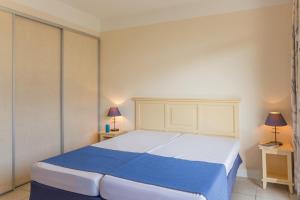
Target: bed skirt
<point>231,177</point>
<point>44,192</point>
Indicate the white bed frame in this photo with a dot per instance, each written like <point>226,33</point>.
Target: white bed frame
<point>199,116</point>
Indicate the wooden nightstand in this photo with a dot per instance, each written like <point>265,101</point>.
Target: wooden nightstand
<point>104,136</point>
<point>277,165</point>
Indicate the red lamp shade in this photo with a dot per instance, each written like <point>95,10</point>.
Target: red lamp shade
<point>275,119</point>
<point>113,112</point>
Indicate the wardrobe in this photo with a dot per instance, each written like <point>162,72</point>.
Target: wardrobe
<point>49,93</point>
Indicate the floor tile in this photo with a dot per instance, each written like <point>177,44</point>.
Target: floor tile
<point>245,186</point>
<point>242,197</point>
<point>25,187</point>
<point>15,195</point>
<point>293,197</point>
<point>273,192</point>
<point>272,198</point>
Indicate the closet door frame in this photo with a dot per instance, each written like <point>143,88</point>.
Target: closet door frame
<point>15,14</point>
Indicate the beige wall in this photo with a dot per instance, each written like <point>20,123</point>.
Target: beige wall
<point>244,55</point>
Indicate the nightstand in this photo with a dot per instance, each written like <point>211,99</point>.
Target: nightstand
<point>277,165</point>
<point>105,136</point>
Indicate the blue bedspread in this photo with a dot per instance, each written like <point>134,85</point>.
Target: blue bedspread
<point>208,179</point>
<point>93,159</point>
<point>204,178</point>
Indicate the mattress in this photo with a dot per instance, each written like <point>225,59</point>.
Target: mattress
<point>187,146</point>
<point>70,180</point>
<point>88,183</point>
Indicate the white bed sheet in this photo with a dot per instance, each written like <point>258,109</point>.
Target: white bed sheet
<point>139,141</point>
<point>213,149</point>
<point>88,183</point>
<point>187,146</point>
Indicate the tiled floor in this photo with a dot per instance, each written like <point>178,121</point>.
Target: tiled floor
<point>245,189</point>
<point>21,193</point>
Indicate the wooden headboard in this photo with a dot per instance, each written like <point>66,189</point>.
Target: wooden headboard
<point>199,116</point>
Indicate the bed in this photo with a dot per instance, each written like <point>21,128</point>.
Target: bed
<point>175,129</point>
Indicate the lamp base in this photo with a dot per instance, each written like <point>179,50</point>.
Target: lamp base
<point>114,130</point>
<point>272,143</point>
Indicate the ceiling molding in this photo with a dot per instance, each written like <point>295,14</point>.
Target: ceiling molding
<point>97,16</point>
<point>56,12</point>
<point>184,12</point>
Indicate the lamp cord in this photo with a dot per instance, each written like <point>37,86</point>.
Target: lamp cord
<point>275,134</point>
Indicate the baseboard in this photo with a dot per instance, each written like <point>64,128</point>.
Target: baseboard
<point>249,173</point>
<point>242,173</point>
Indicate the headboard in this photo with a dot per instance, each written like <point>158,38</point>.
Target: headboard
<point>199,116</point>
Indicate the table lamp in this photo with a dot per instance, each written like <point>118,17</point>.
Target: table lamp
<point>275,119</point>
<point>114,112</point>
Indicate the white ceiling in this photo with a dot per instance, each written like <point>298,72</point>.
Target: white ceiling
<point>115,14</point>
